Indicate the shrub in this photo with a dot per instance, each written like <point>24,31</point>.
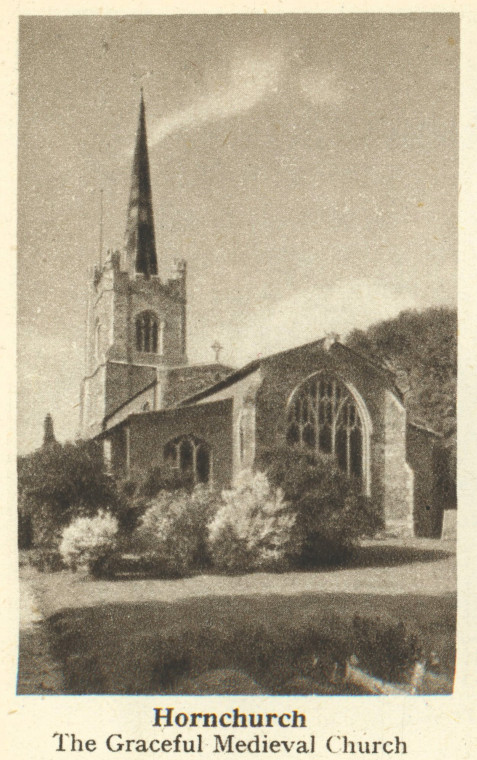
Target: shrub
<point>46,558</point>
<point>251,529</point>
<point>25,525</point>
<point>66,477</point>
<point>331,510</point>
<point>89,541</point>
<point>387,650</point>
<point>59,482</point>
<point>45,554</point>
<point>155,480</point>
<point>135,495</point>
<point>172,533</point>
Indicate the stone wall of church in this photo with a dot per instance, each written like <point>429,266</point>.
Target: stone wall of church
<point>149,433</point>
<point>242,394</point>
<point>92,403</point>
<point>123,381</point>
<point>282,373</point>
<point>398,476</point>
<point>135,295</point>
<point>260,403</point>
<point>100,318</point>
<point>390,477</point>
<point>182,382</point>
<point>115,300</point>
<point>428,506</point>
<point>148,400</point>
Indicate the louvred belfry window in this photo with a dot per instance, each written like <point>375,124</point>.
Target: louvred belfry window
<point>147,330</point>
<point>323,416</point>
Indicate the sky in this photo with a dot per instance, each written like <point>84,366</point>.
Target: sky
<point>304,165</point>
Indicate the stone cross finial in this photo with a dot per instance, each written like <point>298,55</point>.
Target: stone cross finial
<point>330,339</point>
<point>217,348</point>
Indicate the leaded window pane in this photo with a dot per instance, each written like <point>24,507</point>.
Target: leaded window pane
<point>203,464</point>
<point>324,417</point>
<point>186,455</point>
<point>189,455</point>
<point>147,329</point>
<point>293,433</point>
<point>309,435</point>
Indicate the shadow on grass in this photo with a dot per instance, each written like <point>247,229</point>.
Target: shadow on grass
<point>393,556</point>
<point>243,644</point>
<point>361,557</point>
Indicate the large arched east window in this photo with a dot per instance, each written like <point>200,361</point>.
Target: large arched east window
<point>189,456</point>
<point>324,416</point>
<point>148,333</point>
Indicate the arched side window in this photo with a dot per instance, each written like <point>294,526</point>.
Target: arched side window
<point>189,456</point>
<point>325,416</point>
<point>148,333</point>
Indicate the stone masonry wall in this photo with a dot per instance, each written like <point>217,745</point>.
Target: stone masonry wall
<point>149,433</point>
<point>398,475</point>
<point>242,393</point>
<point>428,507</point>
<point>282,373</point>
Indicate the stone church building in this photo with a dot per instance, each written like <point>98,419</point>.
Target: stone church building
<point>151,408</point>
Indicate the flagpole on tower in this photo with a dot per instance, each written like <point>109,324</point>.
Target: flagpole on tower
<point>101,229</point>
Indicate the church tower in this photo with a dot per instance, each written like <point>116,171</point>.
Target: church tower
<point>136,323</point>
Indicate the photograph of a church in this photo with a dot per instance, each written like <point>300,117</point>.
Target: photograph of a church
<point>150,408</point>
<point>237,260</point>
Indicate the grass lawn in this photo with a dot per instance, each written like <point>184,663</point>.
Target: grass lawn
<point>260,633</point>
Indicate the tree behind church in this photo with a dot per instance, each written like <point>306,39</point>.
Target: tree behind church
<point>421,348</point>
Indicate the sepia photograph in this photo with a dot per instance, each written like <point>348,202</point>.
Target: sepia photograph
<point>237,354</point>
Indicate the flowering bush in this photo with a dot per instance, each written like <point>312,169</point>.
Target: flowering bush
<point>89,541</point>
<point>251,530</point>
<point>172,533</point>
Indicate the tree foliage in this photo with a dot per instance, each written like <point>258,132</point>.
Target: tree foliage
<point>59,482</point>
<point>421,348</point>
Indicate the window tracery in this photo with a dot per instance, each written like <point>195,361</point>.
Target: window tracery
<point>189,456</point>
<point>323,416</point>
<point>148,331</point>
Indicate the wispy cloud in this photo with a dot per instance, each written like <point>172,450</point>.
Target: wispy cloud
<point>309,314</point>
<point>251,79</point>
<point>322,88</point>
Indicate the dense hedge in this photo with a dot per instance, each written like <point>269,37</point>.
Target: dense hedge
<point>301,511</point>
<point>331,510</point>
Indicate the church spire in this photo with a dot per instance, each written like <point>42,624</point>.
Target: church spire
<point>140,240</point>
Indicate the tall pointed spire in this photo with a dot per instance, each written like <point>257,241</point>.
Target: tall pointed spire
<point>140,240</point>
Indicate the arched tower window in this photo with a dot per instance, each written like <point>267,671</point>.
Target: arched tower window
<point>148,330</point>
<point>324,415</point>
<point>189,456</point>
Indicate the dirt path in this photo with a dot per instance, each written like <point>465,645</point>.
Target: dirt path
<point>38,672</point>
